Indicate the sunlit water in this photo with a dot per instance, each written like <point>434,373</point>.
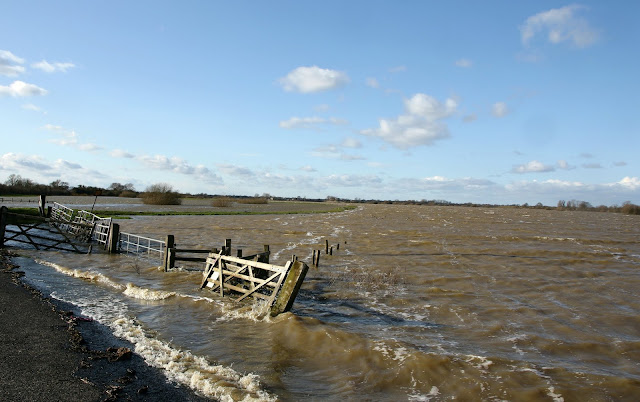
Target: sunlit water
<point>418,303</point>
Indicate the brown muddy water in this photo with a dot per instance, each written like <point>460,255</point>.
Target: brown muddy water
<point>419,303</point>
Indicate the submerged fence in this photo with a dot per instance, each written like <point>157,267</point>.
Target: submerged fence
<point>239,277</point>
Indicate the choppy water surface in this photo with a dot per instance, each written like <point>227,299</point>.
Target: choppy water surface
<point>418,303</point>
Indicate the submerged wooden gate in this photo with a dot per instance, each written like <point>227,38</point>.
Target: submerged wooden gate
<point>43,233</point>
<point>240,278</point>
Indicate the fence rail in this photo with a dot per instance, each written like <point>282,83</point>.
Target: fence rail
<point>61,213</point>
<point>131,243</point>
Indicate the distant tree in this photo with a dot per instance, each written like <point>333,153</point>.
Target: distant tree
<point>631,209</point>
<point>161,194</point>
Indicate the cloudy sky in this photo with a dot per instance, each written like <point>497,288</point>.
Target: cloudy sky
<point>493,101</point>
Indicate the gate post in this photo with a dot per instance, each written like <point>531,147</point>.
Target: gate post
<point>169,258</point>
<point>42,205</point>
<point>3,224</point>
<point>114,238</point>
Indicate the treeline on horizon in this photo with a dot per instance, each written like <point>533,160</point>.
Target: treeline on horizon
<point>16,185</point>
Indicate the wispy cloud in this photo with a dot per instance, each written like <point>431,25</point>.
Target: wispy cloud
<point>314,123</point>
<point>21,89</point>
<point>398,69</point>
<point>43,170</point>
<point>32,107</point>
<point>351,143</point>
<point>179,165</point>
<point>10,64</point>
<point>372,82</point>
<point>119,153</point>
<point>533,167</point>
<point>499,109</point>
<point>334,152</point>
<point>52,67</point>
<point>69,138</point>
<point>592,166</point>
<point>464,63</point>
<point>420,125</point>
<point>560,25</point>
<point>236,171</point>
<point>564,165</point>
<point>313,79</point>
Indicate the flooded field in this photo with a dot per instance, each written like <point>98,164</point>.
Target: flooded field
<point>418,303</point>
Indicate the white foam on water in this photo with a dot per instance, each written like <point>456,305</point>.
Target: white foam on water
<point>479,362</point>
<point>554,396</point>
<point>254,310</point>
<point>146,294</point>
<point>217,381</point>
<point>87,275</point>
<point>433,392</point>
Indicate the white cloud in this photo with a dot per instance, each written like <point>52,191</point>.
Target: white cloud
<point>70,138</point>
<point>464,63</point>
<point>420,125</point>
<point>620,163</point>
<point>19,162</point>
<point>351,143</point>
<point>398,69</point>
<point>560,25</point>
<point>348,180</point>
<point>178,165</point>
<point>334,152</point>
<point>88,147</point>
<point>629,183</point>
<point>548,186</point>
<point>592,166</point>
<point>564,165</point>
<point>10,64</point>
<point>21,89</point>
<point>233,170</point>
<point>499,109</point>
<point>308,168</point>
<point>119,153</point>
<point>532,167</point>
<point>373,83</point>
<point>62,164</point>
<point>32,107</point>
<point>52,67</point>
<point>310,122</point>
<point>313,79</point>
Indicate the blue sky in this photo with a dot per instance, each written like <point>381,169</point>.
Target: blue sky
<point>493,102</point>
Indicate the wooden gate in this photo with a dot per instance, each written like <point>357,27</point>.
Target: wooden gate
<point>41,234</point>
<point>239,278</point>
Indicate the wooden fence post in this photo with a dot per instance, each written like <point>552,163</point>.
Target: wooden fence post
<point>113,241</point>
<point>265,259</point>
<point>227,247</point>
<point>326,246</point>
<point>169,259</point>
<point>3,224</point>
<point>290,288</point>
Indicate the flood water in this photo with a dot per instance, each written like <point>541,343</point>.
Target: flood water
<point>418,303</point>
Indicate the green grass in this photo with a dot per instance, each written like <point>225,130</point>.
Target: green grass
<point>24,211</point>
